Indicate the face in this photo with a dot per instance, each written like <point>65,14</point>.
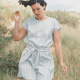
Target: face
<point>38,10</point>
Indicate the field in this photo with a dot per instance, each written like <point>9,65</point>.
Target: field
<point>10,50</point>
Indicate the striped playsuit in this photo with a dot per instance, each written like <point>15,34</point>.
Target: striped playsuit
<point>36,62</point>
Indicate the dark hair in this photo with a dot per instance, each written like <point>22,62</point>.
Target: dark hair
<point>32,2</point>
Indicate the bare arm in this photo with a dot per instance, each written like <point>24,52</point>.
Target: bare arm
<point>18,34</point>
<point>58,47</point>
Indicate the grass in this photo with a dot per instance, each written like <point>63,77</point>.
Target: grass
<point>71,53</point>
<point>63,17</point>
<point>6,75</point>
<point>10,51</point>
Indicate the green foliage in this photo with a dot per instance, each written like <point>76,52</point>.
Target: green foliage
<point>10,56</point>
<point>3,31</point>
<point>3,28</point>
<point>1,8</point>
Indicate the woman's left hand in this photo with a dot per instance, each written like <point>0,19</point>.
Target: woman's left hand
<point>64,67</point>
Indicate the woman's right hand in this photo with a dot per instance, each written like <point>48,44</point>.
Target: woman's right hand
<point>17,16</point>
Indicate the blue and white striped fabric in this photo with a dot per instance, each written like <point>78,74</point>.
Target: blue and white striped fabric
<point>36,62</point>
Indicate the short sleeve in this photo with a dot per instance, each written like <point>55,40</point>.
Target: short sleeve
<point>56,25</point>
<point>25,24</point>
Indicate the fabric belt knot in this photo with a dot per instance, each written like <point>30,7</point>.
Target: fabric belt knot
<point>32,48</point>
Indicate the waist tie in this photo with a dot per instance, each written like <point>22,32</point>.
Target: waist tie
<point>39,48</point>
<point>32,48</point>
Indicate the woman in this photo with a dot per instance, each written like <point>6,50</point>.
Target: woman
<point>36,62</point>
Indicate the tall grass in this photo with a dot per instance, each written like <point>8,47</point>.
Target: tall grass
<point>7,75</point>
<point>63,17</point>
<point>3,31</point>
<point>71,53</point>
<point>11,51</point>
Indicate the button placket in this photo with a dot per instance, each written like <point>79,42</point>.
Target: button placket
<point>39,31</point>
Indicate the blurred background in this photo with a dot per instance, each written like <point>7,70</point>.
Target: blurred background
<point>68,15</point>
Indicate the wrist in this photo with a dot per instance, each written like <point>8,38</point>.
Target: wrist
<point>17,24</point>
<point>16,21</point>
<point>61,62</point>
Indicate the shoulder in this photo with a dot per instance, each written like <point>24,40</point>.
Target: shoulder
<point>53,21</point>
